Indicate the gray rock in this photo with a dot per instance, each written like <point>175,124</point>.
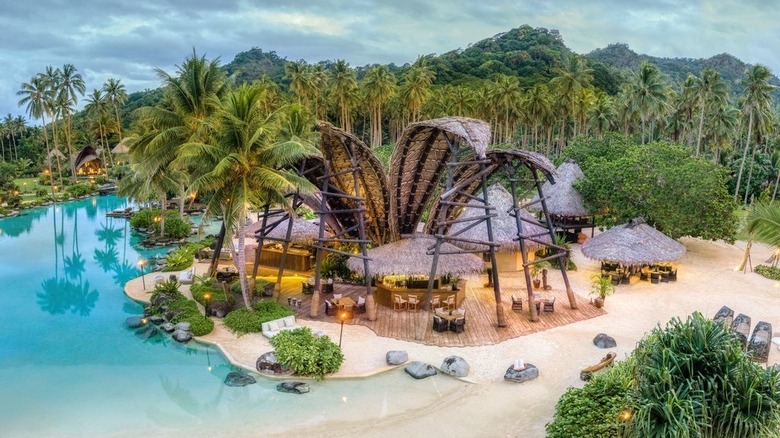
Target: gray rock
<point>146,332</point>
<point>530,372</point>
<point>455,366</point>
<point>238,378</point>
<point>182,336</point>
<point>420,370</point>
<point>396,357</point>
<point>168,327</point>
<point>183,326</point>
<point>156,319</point>
<point>135,321</point>
<point>267,364</point>
<point>293,387</point>
<point>217,309</point>
<point>602,340</point>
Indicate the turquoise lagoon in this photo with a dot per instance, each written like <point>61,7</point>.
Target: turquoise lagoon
<point>70,367</point>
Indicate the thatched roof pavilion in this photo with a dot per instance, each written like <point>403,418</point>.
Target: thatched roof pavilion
<point>419,161</point>
<point>633,243</point>
<point>504,226</point>
<point>408,256</point>
<point>562,198</point>
<point>86,155</point>
<point>304,232</point>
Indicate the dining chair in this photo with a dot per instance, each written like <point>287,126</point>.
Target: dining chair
<point>449,303</point>
<point>399,303</point>
<point>412,301</point>
<point>435,302</point>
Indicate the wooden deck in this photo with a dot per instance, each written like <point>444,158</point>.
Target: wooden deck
<point>481,326</point>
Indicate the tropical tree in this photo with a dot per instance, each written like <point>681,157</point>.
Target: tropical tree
<point>246,164</point>
<point>601,116</point>
<point>648,93</point>
<point>96,108</point>
<point>505,97</point>
<point>711,90</point>
<point>569,82</point>
<point>35,95</point>
<point>116,95</point>
<point>416,88</point>
<point>303,81</point>
<point>344,91</point>
<point>70,86</point>
<point>538,108</point>
<point>379,86</point>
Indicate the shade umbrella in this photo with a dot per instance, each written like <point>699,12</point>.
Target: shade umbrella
<point>304,232</point>
<point>408,256</point>
<point>562,198</point>
<point>503,225</point>
<point>633,243</point>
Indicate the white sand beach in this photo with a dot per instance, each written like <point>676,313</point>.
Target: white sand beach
<point>490,406</point>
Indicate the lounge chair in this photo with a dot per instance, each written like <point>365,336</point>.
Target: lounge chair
<point>517,303</point>
<point>361,304</point>
<point>724,315</point>
<point>458,325</point>
<point>741,328</point>
<point>440,325</point>
<point>759,344</point>
<point>549,305</point>
<point>330,308</point>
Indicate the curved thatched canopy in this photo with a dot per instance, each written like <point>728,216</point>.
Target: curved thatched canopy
<point>339,148</point>
<point>409,256</point>
<point>504,226</point>
<point>633,243</point>
<point>419,160</point>
<point>562,198</point>
<point>54,154</point>
<point>304,232</point>
<point>498,158</point>
<point>85,156</point>
<point>123,146</point>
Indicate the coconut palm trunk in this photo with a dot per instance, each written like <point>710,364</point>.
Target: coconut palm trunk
<point>744,156</point>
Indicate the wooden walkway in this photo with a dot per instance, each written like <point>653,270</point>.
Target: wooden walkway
<point>481,326</point>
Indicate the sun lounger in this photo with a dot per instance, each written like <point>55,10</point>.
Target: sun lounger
<point>741,328</point>
<point>724,315</point>
<point>759,344</point>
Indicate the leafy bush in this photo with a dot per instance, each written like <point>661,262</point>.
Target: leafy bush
<point>305,354</point>
<point>769,272</point>
<point>79,190</point>
<point>594,410</point>
<point>271,310</point>
<point>260,287</point>
<point>205,284</point>
<point>168,297</point>
<point>179,260</point>
<point>335,265</point>
<point>242,321</point>
<point>41,192</point>
<point>175,226</point>
<point>143,219</point>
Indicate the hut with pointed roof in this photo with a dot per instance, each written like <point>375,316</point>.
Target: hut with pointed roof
<point>633,244</point>
<point>567,209</point>
<point>504,229</point>
<point>88,162</point>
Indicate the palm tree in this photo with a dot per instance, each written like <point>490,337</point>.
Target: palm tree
<point>303,82</point>
<point>570,80</point>
<point>537,106</point>
<point>416,87</point>
<point>648,93</point>
<point>246,165</point>
<point>96,108</point>
<point>506,97</point>
<point>710,90</point>
<point>601,116</point>
<point>116,96</point>
<point>71,85</point>
<point>35,95</point>
<point>379,85</point>
<point>344,89</point>
<point>756,98</point>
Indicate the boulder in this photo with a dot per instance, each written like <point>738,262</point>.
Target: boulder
<point>267,364</point>
<point>182,336</point>
<point>239,378</point>
<point>183,326</point>
<point>293,387</point>
<point>156,319</point>
<point>602,340</point>
<point>455,366</point>
<point>168,327</point>
<point>420,370</point>
<point>529,372</point>
<point>135,321</point>
<point>396,357</point>
<point>217,309</point>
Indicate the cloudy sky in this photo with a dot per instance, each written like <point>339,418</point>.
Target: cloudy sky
<point>127,39</point>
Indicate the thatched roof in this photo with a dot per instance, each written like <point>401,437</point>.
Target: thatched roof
<point>633,243</point>
<point>419,160</point>
<point>86,155</point>
<point>123,146</point>
<point>530,160</point>
<point>54,154</point>
<point>304,232</point>
<point>339,148</point>
<point>409,256</point>
<point>562,198</point>
<point>503,225</point>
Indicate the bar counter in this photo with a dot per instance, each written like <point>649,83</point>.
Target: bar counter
<point>384,294</point>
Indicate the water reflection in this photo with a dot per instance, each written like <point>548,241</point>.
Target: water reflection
<point>21,224</point>
<point>60,295</point>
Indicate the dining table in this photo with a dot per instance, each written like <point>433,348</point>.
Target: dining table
<point>344,302</point>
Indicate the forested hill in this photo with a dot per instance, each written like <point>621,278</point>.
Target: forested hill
<point>620,56</point>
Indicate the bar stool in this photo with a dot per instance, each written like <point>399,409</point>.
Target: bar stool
<point>398,302</point>
<point>449,303</point>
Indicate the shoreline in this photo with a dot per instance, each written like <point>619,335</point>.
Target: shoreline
<point>706,281</point>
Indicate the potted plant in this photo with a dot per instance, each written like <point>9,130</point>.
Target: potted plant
<point>601,287</point>
<point>537,269</point>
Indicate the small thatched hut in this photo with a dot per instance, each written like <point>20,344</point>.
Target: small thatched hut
<point>302,236</point>
<point>565,205</point>
<point>304,232</point>
<point>88,162</point>
<point>409,256</point>
<point>633,244</point>
<point>504,229</point>
<point>122,147</point>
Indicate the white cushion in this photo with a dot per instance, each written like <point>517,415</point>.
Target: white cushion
<point>272,326</point>
<point>289,321</point>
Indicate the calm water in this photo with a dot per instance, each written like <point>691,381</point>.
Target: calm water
<point>70,367</point>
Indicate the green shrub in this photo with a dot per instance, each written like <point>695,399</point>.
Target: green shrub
<point>184,310</point>
<point>242,321</point>
<point>179,260</point>
<point>143,219</point>
<point>335,265</point>
<point>81,189</point>
<point>593,411</point>
<point>271,310</point>
<point>205,284</point>
<point>166,287</point>
<point>175,226</point>
<point>305,354</point>
<point>769,272</point>
<point>41,192</point>
<point>260,287</point>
